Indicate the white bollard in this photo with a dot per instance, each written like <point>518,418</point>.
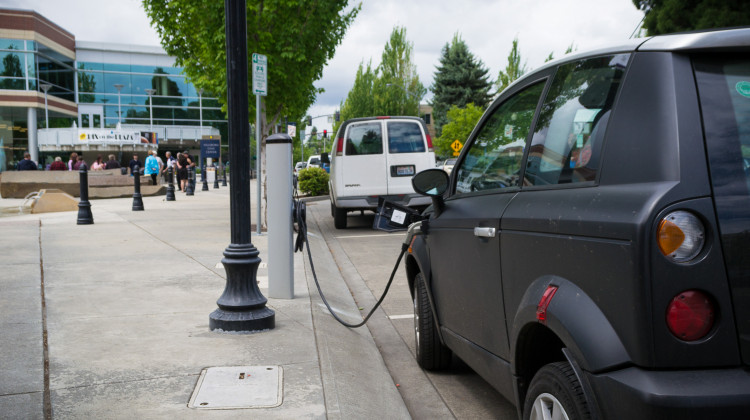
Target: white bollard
<point>280,231</point>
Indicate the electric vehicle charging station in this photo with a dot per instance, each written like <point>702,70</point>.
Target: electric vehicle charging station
<point>280,212</point>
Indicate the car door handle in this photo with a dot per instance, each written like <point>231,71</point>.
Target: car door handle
<point>484,232</point>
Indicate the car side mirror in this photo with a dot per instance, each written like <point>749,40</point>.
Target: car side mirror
<point>432,183</point>
<point>324,158</point>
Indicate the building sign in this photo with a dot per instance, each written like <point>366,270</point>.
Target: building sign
<point>89,135</point>
<point>210,149</point>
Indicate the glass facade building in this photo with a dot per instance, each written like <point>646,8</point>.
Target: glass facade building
<point>53,87</point>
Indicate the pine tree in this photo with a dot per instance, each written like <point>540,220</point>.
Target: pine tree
<point>460,79</point>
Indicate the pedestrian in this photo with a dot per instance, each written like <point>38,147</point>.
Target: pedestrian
<point>133,163</point>
<point>152,167</point>
<point>112,163</point>
<point>182,169</point>
<point>170,164</point>
<point>79,162</point>
<point>58,165</point>
<point>26,164</point>
<point>98,165</point>
<point>72,161</point>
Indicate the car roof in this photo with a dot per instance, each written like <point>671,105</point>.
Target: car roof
<point>713,39</point>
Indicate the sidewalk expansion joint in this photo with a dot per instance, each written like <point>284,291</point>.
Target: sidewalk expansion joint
<point>47,399</point>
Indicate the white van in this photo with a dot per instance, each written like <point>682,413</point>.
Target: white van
<point>376,157</point>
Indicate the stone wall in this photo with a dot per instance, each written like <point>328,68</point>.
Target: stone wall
<point>102,184</point>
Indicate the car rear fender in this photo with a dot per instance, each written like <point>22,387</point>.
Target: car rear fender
<point>575,319</point>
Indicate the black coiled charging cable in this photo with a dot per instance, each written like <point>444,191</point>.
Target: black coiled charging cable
<point>300,215</point>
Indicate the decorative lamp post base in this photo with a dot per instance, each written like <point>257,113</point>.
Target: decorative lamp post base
<point>242,307</point>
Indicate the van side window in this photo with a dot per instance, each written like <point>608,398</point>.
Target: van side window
<point>364,139</point>
<point>494,157</point>
<point>567,141</point>
<point>405,137</point>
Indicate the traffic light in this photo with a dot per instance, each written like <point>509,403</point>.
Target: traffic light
<point>337,116</point>
<point>308,121</point>
<point>325,134</point>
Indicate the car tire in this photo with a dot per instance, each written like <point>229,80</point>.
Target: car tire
<point>431,353</point>
<point>555,392</point>
<point>339,217</point>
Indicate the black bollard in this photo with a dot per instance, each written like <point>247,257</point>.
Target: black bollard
<point>190,189</point>
<point>216,179</point>
<point>224,178</point>
<point>170,187</point>
<point>137,200</point>
<point>204,179</point>
<point>84,207</point>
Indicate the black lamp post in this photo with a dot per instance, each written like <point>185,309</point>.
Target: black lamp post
<point>242,307</point>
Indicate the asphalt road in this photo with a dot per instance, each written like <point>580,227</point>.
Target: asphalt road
<point>458,392</point>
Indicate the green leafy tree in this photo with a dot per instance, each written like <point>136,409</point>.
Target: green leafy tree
<point>460,123</point>
<point>460,79</point>
<point>668,16</point>
<point>397,89</point>
<point>297,36</point>
<point>568,50</point>
<point>392,88</point>
<point>192,31</point>
<point>358,102</point>
<point>513,70</point>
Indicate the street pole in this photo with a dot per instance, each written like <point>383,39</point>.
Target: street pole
<point>119,103</point>
<point>242,307</point>
<point>45,87</point>
<point>150,108</point>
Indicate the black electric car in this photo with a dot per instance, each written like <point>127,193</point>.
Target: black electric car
<point>589,254</point>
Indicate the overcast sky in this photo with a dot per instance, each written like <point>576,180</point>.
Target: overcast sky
<point>487,26</point>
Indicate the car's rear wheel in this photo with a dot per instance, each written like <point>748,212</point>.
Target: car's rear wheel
<point>555,393</point>
<point>431,353</point>
<point>339,217</point>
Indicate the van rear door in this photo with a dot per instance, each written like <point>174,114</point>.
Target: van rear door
<point>407,154</point>
<point>364,159</point>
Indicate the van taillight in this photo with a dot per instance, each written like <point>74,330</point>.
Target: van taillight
<point>690,315</point>
<point>429,143</point>
<point>340,146</point>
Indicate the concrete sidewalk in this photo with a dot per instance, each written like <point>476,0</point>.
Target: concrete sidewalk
<point>110,320</point>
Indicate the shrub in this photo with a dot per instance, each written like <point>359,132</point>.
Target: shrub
<point>313,181</point>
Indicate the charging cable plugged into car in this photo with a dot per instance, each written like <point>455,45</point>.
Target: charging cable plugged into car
<point>300,218</point>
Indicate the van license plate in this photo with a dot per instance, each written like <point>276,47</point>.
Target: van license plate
<point>402,170</point>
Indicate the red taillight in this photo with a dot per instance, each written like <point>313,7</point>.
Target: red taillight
<point>340,146</point>
<point>690,315</point>
<point>383,118</point>
<point>429,143</point>
<point>541,308</point>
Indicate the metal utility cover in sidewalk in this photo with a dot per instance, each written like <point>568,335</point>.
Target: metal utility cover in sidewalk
<point>223,388</point>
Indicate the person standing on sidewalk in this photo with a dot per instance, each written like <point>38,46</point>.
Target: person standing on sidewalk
<point>170,164</point>
<point>26,164</point>
<point>58,165</point>
<point>133,163</point>
<point>152,167</point>
<point>112,163</point>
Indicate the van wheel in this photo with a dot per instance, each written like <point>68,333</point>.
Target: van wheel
<point>339,217</point>
<point>555,393</point>
<point>431,353</point>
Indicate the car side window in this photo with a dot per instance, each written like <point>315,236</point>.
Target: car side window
<point>364,139</point>
<point>494,157</point>
<point>405,137</point>
<point>567,141</point>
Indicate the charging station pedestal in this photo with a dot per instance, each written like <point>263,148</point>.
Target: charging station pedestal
<point>280,209</point>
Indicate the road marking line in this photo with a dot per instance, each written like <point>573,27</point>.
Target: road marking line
<point>362,236</point>
<point>401,316</point>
